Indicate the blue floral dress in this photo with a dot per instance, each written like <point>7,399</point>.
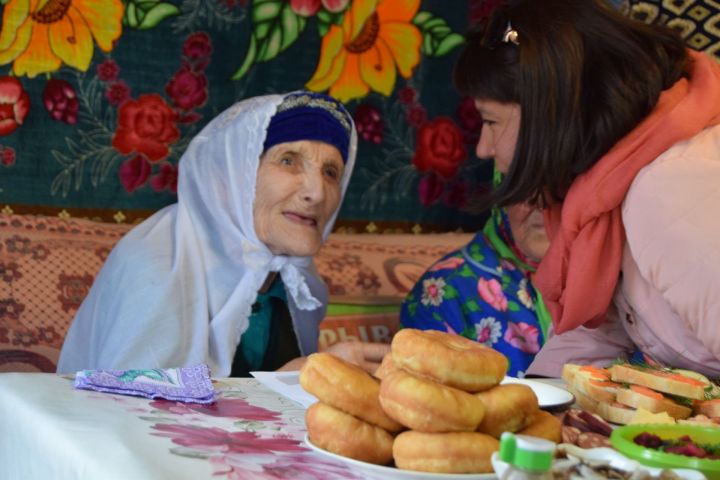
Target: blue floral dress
<point>483,292</point>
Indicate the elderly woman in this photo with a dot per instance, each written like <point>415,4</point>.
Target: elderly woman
<point>225,275</point>
<point>483,291</point>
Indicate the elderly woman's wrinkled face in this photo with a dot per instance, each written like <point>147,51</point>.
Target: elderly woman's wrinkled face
<point>528,230</point>
<point>498,137</point>
<point>297,193</point>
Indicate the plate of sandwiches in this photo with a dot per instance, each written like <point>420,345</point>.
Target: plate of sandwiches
<point>630,393</point>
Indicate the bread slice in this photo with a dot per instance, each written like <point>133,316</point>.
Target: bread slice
<point>642,397</point>
<point>598,390</point>
<point>709,408</point>
<point>695,375</point>
<point>591,381</point>
<point>569,371</point>
<point>659,380</point>
<point>611,412</point>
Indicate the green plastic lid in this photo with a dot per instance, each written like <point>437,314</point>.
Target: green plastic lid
<point>525,452</point>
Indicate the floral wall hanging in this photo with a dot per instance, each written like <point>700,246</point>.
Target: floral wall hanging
<point>98,100</point>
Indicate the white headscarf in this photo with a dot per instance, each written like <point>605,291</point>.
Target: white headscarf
<point>178,289</point>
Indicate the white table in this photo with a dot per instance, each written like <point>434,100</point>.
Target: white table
<point>49,431</point>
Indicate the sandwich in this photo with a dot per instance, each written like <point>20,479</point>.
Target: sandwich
<point>661,380</point>
<point>628,393</point>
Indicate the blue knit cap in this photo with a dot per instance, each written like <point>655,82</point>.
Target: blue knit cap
<point>310,116</point>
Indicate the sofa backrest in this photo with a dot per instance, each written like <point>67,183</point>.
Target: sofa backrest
<point>369,275</point>
<point>48,264</point>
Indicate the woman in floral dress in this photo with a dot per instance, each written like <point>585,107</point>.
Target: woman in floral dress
<point>483,291</point>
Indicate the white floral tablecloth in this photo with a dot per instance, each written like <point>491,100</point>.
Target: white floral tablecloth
<point>49,430</point>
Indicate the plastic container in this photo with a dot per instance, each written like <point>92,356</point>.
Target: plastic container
<point>529,458</point>
<point>622,438</point>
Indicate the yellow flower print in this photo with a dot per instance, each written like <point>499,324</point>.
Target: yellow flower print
<point>524,296</point>
<point>38,36</point>
<point>375,37</point>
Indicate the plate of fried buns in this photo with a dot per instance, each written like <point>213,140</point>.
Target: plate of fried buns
<point>382,472</point>
<point>435,408</point>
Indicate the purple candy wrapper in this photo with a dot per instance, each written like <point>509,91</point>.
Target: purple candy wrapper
<point>186,384</point>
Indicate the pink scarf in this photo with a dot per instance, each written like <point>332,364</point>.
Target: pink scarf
<point>579,273</point>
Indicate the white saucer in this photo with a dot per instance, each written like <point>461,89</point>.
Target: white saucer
<point>549,397</point>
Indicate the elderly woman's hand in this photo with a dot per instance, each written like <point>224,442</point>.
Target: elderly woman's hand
<point>366,355</point>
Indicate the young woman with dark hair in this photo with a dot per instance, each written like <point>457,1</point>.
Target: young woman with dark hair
<point>613,130</point>
<point>584,76</point>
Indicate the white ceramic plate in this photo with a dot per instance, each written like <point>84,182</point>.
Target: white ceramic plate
<point>380,472</point>
<point>549,397</point>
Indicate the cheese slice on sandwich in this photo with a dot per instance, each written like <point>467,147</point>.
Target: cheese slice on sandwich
<point>644,416</point>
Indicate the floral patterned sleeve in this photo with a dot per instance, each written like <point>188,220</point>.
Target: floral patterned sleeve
<point>476,294</point>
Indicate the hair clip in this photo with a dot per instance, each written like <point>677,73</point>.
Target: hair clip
<point>510,35</point>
